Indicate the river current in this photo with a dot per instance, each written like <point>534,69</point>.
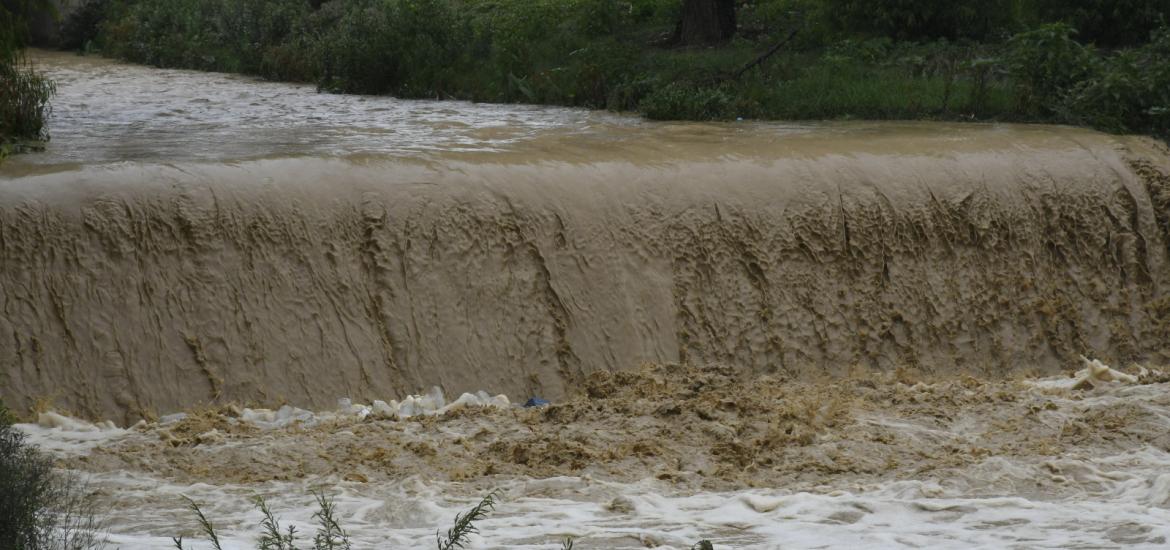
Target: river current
<point>849,333</point>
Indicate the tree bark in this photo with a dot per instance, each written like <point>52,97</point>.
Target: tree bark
<point>706,22</point>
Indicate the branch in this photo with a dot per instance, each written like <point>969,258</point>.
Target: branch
<point>759,60</point>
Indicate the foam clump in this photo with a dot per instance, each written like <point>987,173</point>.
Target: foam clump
<point>284,416</point>
<point>434,402</point>
<point>431,403</point>
<point>53,420</point>
<point>66,435</point>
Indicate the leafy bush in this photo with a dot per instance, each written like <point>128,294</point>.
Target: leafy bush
<point>1131,93</point>
<point>40,509</point>
<point>924,19</point>
<point>405,47</point>
<point>80,28</point>
<point>1046,63</point>
<point>850,59</point>
<point>1106,22</point>
<point>249,36</point>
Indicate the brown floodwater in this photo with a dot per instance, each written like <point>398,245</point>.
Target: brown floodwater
<point>198,238</point>
<point>767,334</point>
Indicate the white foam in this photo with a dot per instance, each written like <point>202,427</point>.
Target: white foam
<point>538,514</point>
<point>431,403</point>
<point>67,436</point>
<point>1087,497</point>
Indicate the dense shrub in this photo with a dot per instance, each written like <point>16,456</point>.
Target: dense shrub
<point>1106,22</point>
<point>1130,94</point>
<point>25,478</point>
<point>80,28</point>
<point>249,36</point>
<point>1046,63</point>
<point>924,19</point>
<point>851,59</point>
<point>40,509</point>
<point>405,47</point>
<point>546,51</point>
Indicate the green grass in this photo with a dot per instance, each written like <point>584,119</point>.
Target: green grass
<point>855,91</point>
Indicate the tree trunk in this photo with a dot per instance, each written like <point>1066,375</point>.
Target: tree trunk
<point>706,22</point>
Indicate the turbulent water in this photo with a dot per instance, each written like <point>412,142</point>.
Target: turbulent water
<point>666,456</point>
<point>192,240</point>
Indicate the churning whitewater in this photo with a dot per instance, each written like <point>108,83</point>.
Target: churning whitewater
<point>764,335</point>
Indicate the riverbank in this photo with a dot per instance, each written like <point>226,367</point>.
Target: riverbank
<point>622,56</point>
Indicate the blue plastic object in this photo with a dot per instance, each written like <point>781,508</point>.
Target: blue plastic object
<point>535,402</point>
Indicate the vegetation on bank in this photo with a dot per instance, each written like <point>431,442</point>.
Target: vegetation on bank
<point>24,93</point>
<point>40,508</point>
<point>1088,62</point>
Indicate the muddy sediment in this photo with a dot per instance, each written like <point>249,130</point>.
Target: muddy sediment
<point>133,289</point>
<point>698,429</point>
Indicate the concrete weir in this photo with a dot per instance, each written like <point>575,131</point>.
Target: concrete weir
<point>131,289</point>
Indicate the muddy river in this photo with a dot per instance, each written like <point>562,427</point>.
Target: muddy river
<point>768,335</point>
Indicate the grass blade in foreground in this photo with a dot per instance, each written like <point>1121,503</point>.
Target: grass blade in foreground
<point>458,535</point>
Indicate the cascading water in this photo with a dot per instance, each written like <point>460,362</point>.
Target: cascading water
<point>193,240</point>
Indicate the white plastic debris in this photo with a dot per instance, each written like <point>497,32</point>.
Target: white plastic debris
<point>346,406</point>
<point>1096,371</point>
<point>284,416</point>
<point>171,418</point>
<point>384,408</point>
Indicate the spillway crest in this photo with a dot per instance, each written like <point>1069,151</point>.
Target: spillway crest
<point>127,289</point>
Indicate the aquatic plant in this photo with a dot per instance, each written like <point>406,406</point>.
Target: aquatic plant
<point>24,101</point>
<point>24,93</point>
